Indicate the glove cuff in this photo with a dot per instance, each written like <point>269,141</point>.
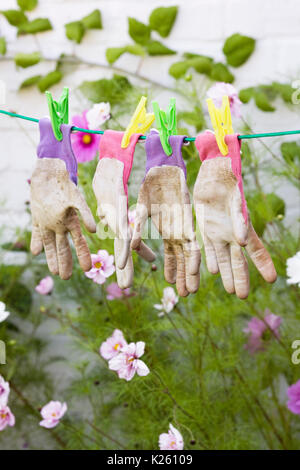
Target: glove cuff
<point>156,155</point>
<point>110,147</point>
<point>207,147</point>
<point>50,147</point>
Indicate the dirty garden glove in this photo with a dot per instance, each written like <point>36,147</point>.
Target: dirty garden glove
<point>164,197</point>
<point>54,201</point>
<point>110,185</point>
<point>223,218</point>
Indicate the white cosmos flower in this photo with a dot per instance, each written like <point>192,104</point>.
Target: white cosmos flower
<point>97,115</point>
<point>169,300</point>
<point>3,313</point>
<point>293,269</point>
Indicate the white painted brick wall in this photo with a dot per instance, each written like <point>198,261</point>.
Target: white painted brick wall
<point>202,26</point>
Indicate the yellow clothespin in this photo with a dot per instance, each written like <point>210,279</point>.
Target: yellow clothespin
<point>221,122</point>
<point>140,122</point>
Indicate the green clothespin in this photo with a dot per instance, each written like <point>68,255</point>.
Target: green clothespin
<point>59,111</point>
<point>166,123</point>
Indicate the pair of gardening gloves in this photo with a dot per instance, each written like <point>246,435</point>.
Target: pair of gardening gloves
<point>218,198</point>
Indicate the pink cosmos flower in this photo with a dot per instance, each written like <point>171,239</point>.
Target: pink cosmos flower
<point>84,145</point>
<point>103,267</point>
<point>114,292</point>
<point>294,398</point>
<point>113,345</point>
<point>45,286</point>
<point>4,392</point>
<point>127,362</point>
<point>260,331</point>
<point>6,417</point>
<point>52,413</point>
<point>220,89</point>
<point>172,440</point>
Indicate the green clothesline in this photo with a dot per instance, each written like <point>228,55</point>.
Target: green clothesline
<point>143,137</point>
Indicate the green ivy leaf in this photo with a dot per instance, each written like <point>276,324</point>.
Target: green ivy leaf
<point>113,53</point>
<point>135,49</point>
<point>138,31</point>
<point>75,31</point>
<point>200,64</point>
<point>220,73</point>
<point>246,94</point>
<point>27,60</point>
<point>36,26</point>
<point>30,81</point>
<point>192,55</point>
<point>2,46</point>
<point>290,151</point>
<point>238,49</point>
<point>49,80</point>
<point>179,69</point>
<point>113,90</point>
<point>93,20</point>
<point>284,90</point>
<point>14,17</point>
<point>262,101</point>
<point>157,48</point>
<point>162,20</point>
<point>27,5</point>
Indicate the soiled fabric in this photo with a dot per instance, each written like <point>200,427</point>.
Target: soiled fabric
<point>50,147</point>
<point>110,185</point>
<point>223,219</point>
<point>54,202</point>
<point>156,155</point>
<point>164,197</point>
<point>207,147</point>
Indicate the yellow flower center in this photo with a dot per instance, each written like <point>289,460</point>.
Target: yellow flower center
<point>98,265</point>
<point>116,346</point>
<point>131,359</point>
<point>3,415</point>
<point>54,415</point>
<point>87,139</point>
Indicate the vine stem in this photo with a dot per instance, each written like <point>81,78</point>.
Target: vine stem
<point>73,59</point>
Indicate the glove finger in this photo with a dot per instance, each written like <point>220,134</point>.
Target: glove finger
<point>140,220</point>
<point>122,252</point>
<point>211,257</point>
<point>240,272</point>
<point>240,228</point>
<point>50,250</point>
<point>86,214</point>
<point>125,276</point>
<point>224,262</point>
<point>146,253</point>
<point>170,264</point>
<point>64,256</point>
<point>260,256</point>
<point>180,278</point>
<point>102,216</point>
<point>36,243</point>
<point>192,256</point>
<point>81,246</point>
